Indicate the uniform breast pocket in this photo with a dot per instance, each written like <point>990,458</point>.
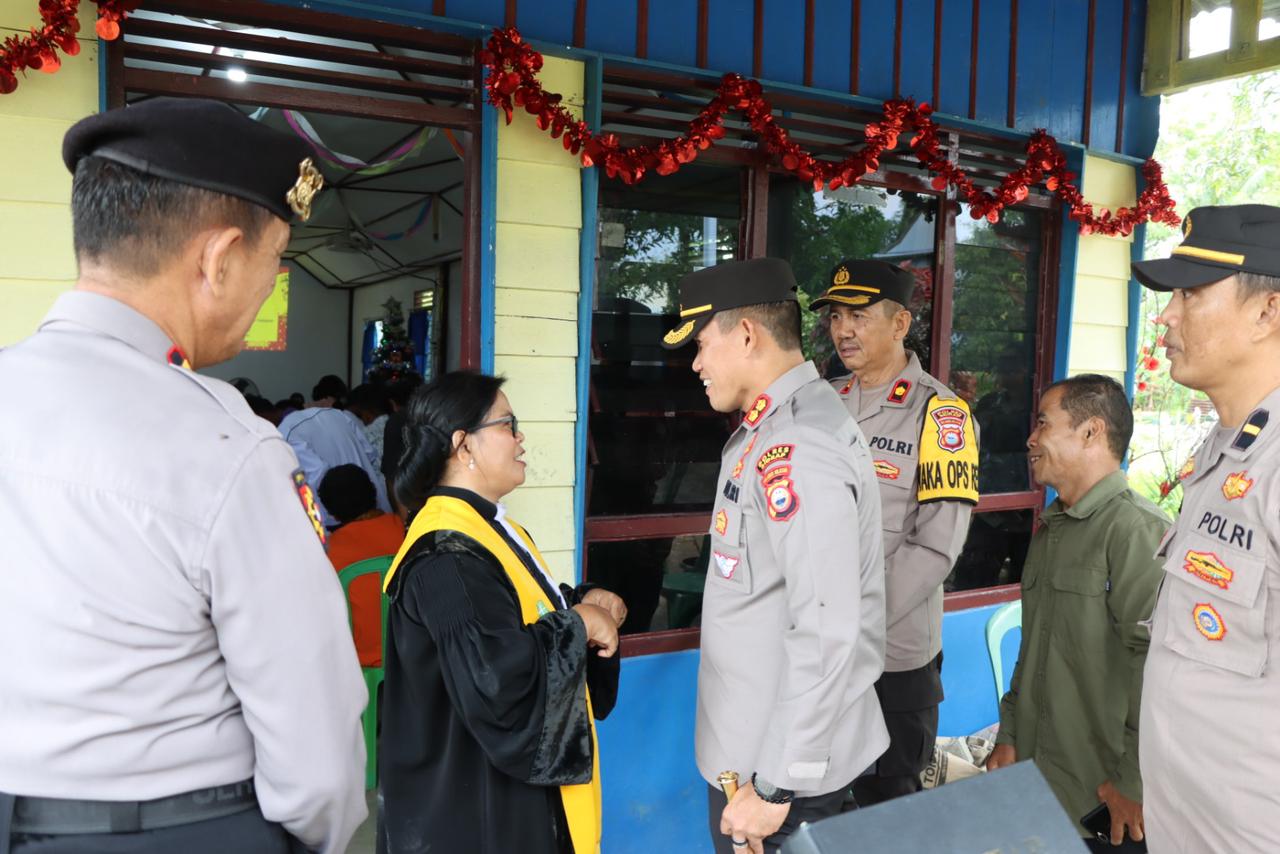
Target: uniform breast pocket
<point>896,477</point>
<point>729,568</point>
<point>1216,605</point>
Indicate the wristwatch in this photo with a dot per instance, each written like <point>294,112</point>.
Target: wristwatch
<point>770,793</point>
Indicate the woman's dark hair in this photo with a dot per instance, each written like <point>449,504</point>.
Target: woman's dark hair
<point>458,400</point>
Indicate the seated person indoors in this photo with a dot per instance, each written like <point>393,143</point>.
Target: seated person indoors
<point>364,531</point>
<point>1087,591</point>
<point>493,671</point>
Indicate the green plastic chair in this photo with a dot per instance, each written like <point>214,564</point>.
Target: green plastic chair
<point>1004,620</point>
<point>372,675</point>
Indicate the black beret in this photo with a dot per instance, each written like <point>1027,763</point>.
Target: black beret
<point>733,284</point>
<point>1218,242</point>
<point>206,144</point>
<point>862,283</point>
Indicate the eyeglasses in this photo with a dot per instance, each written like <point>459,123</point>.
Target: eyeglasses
<point>506,419</point>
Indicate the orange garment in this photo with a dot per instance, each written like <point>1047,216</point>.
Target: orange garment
<point>376,537</point>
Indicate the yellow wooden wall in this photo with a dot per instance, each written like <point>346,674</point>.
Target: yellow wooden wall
<point>36,259</point>
<point>539,219</point>
<point>1100,315</point>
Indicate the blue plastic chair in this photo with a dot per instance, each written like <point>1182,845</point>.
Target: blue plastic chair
<point>372,675</point>
<point>1004,620</point>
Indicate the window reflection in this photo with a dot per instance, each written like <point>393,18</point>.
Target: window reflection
<point>993,338</point>
<point>654,441</point>
<point>815,230</point>
<point>1209,30</point>
<point>661,580</point>
<point>994,551</point>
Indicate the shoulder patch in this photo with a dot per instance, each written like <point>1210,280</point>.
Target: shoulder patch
<point>1251,430</point>
<point>948,469</point>
<point>308,499</point>
<point>776,454</point>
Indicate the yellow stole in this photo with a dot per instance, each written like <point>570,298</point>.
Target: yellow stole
<point>444,513</point>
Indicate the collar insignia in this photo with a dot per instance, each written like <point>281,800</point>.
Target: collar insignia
<point>1188,468</point>
<point>1237,485</point>
<point>899,392</point>
<point>1251,430</point>
<point>304,190</point>
<point>177,358</point>
<point>758,408</point>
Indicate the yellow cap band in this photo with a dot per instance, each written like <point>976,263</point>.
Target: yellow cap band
<point>1210,255</point>
<point>698,310</point>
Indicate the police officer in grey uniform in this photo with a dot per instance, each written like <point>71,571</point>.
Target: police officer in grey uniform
<point>793,611</point>
<point>1210,748</point>
<point>178,674</point>
<point>925,454</point>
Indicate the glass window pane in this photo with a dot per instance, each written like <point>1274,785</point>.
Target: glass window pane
<point>654,441</point>
<point>993,337</point>
<point>1269,20</point>
<point>1209,30</point>
<point>815,230</point>
<point>994,551</point>
<point>661,580</point>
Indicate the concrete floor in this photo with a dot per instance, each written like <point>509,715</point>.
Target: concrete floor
<point>362,842</point>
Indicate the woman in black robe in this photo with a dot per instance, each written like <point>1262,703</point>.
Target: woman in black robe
<point>485,715</point>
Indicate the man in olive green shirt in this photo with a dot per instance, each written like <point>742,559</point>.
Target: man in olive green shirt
<point>1088,587</point>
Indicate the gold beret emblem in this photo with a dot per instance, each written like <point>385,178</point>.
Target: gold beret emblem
<point>842,277</point>
<point>304,190</point>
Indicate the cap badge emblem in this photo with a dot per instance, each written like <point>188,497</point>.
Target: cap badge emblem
<point>1186,226</point>
<point>304,190</point>
<point>841,277</point>
<point>1236,486</point>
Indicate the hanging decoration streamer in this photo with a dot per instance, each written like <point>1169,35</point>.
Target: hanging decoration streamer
<point>408,150</point>
<point>38,50</point>
<point>512,82</point>
<point>418,222</point>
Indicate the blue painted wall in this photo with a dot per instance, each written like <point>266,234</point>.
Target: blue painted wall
<point>1049,69</point>
<point>654,799</point>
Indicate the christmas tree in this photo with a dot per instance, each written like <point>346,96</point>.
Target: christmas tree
<point>393,357</point>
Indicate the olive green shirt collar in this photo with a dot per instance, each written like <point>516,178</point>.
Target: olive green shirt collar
<point>1097,496</point>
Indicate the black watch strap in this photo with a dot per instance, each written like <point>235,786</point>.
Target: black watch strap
<point>770,793</point>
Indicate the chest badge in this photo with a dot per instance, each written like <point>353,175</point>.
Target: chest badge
<point>1209,622</point>
<point>1208,567</point>
<point>757,410</point>
<point>899,391</point>
<point>886,470</point>
<point>737,468</point>
<point>1237,485</point>
<point>722,522</point>
<point>725,564</point>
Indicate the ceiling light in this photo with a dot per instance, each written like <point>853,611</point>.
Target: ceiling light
<point>237,75</point>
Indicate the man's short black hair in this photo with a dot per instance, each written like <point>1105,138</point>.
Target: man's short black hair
<point>330,385</point>
<point>368,397</point>
<point>1096,396</point>
<point>138,223</point>
<point>781,319</point>
<point>347,493</point>
<point>1250,285</point>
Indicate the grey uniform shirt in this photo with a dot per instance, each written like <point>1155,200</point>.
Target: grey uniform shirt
<point>168,617</point>
<point>1210,748</point>
<point>921,541</point>
<point>793,612</point>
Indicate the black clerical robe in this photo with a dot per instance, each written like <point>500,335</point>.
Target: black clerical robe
<point>483,716</point>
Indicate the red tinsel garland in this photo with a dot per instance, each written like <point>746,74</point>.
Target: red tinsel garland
<point>38,51</point>
<point>512,82</point>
